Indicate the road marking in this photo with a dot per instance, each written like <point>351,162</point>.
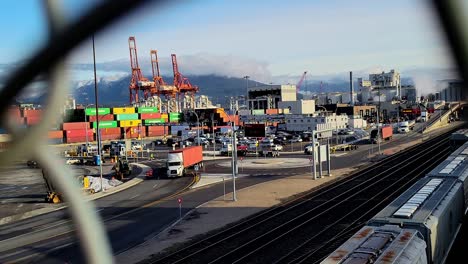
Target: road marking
<point>154,186</point>
<point>339,155</point>
<point>135,196</point>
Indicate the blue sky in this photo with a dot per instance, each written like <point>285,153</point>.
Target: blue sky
<point>263,39</point>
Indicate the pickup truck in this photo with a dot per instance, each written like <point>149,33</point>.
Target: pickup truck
<point>269,151</point>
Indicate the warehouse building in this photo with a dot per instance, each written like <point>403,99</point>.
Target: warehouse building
<point>309,123</point>
<point>268,96</point>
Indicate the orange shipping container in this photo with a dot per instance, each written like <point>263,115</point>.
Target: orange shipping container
<point>272,111</point>
<point>31,112</point>
<point>55,134</point>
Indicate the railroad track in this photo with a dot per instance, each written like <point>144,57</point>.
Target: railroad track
<point>309,227</point>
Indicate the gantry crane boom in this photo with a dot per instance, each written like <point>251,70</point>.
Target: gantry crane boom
<point>298,85</point>
<point>138,81</point>
<point>182,83</point>
<point>158,80</point>
<point>161,87</point>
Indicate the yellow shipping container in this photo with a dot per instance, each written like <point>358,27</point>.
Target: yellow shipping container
<point>123,110</point>
<point>130,123</point>
<point>165,116</point>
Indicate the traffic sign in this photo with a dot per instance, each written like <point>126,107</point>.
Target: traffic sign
<point>196,168</point>
<point>179,200</point>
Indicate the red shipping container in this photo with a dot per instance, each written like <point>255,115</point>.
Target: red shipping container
<point>76,126</point>
<point>111,131</point>
<point>108,117</point>
<point>111,136</point>
<point>55,134</point>
<point>32,120</point>
<point>387,132</point>
<point>155,133</point>
<point>157,128</point>
<point>31,112</point>
<point>78,133</point>
<point>150,116</point>
<point>78,139</point>
<point>14,112</point>
<point>190,155</point>
<point>132,132</point>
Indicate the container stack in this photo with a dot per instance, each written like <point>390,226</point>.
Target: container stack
<point>14,114</point>
<point>78,132</point>
<point>32,116</point>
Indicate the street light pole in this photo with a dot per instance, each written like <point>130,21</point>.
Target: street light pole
<point>97,112</point>
<point>198,126</point>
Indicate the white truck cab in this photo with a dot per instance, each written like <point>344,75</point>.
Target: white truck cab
<point>175,166</point>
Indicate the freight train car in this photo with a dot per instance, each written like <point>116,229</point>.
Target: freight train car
<point>458,138</point>
<point>384,244</point>
<point>434,208</point>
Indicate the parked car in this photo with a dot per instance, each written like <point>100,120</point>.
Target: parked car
<point>295,139</point>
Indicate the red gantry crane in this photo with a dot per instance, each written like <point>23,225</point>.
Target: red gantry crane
<point>182,83</point>
<point>298,85</point>
<point>138,81</point>
<point>161,88</point>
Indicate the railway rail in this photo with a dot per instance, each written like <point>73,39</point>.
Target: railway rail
<point>309,227</point>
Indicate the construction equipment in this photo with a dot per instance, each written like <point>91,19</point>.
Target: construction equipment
<point>298,85</point>
<point>138,81</point>
<point>53,196</point>
<point>122,168</point>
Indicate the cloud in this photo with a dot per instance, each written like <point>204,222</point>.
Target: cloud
<point>429,81</point>
<point>197,64</point>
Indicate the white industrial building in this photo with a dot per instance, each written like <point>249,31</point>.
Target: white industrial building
<point>309,123</point>
<point>356,122</point>
<point>268,96</point>
<point>298,107</point>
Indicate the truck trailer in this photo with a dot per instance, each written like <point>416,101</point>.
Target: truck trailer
<point>386,133</point>
<point>182,161</point>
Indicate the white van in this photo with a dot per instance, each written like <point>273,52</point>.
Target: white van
<point>403,127</point>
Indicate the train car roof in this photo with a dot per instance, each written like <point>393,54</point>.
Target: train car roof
<point>385,244</point>
<point>419,202</point>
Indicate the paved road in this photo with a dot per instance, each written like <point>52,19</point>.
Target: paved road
<point>132,216</point>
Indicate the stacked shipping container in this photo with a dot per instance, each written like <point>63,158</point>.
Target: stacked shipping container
<point>78,132</point>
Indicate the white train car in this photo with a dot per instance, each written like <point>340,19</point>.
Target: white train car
<point>432,206</point>
<point>384,244</point>
<point>455,167</point>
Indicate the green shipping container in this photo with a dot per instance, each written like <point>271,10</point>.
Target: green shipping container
<point>105,124</point>
<point>154,121</point>
<point>175,115</point>
<point>101,111</point>
<point>258,112</point>
<point>122,117</point>
<point>147,110</point>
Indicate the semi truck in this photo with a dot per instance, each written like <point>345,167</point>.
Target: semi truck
<point>182,161</point>
<point>386,133</point>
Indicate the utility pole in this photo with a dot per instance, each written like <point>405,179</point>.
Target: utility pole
<point>97,115</point>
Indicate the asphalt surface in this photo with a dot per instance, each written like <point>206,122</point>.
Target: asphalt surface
<point>132,216</point>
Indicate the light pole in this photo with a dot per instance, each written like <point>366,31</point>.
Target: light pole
<point>234,158</point>
<point>198,126</point>
<point>97,112</point>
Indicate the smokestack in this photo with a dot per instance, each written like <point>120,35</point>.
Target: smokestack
<point>351,100</point>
